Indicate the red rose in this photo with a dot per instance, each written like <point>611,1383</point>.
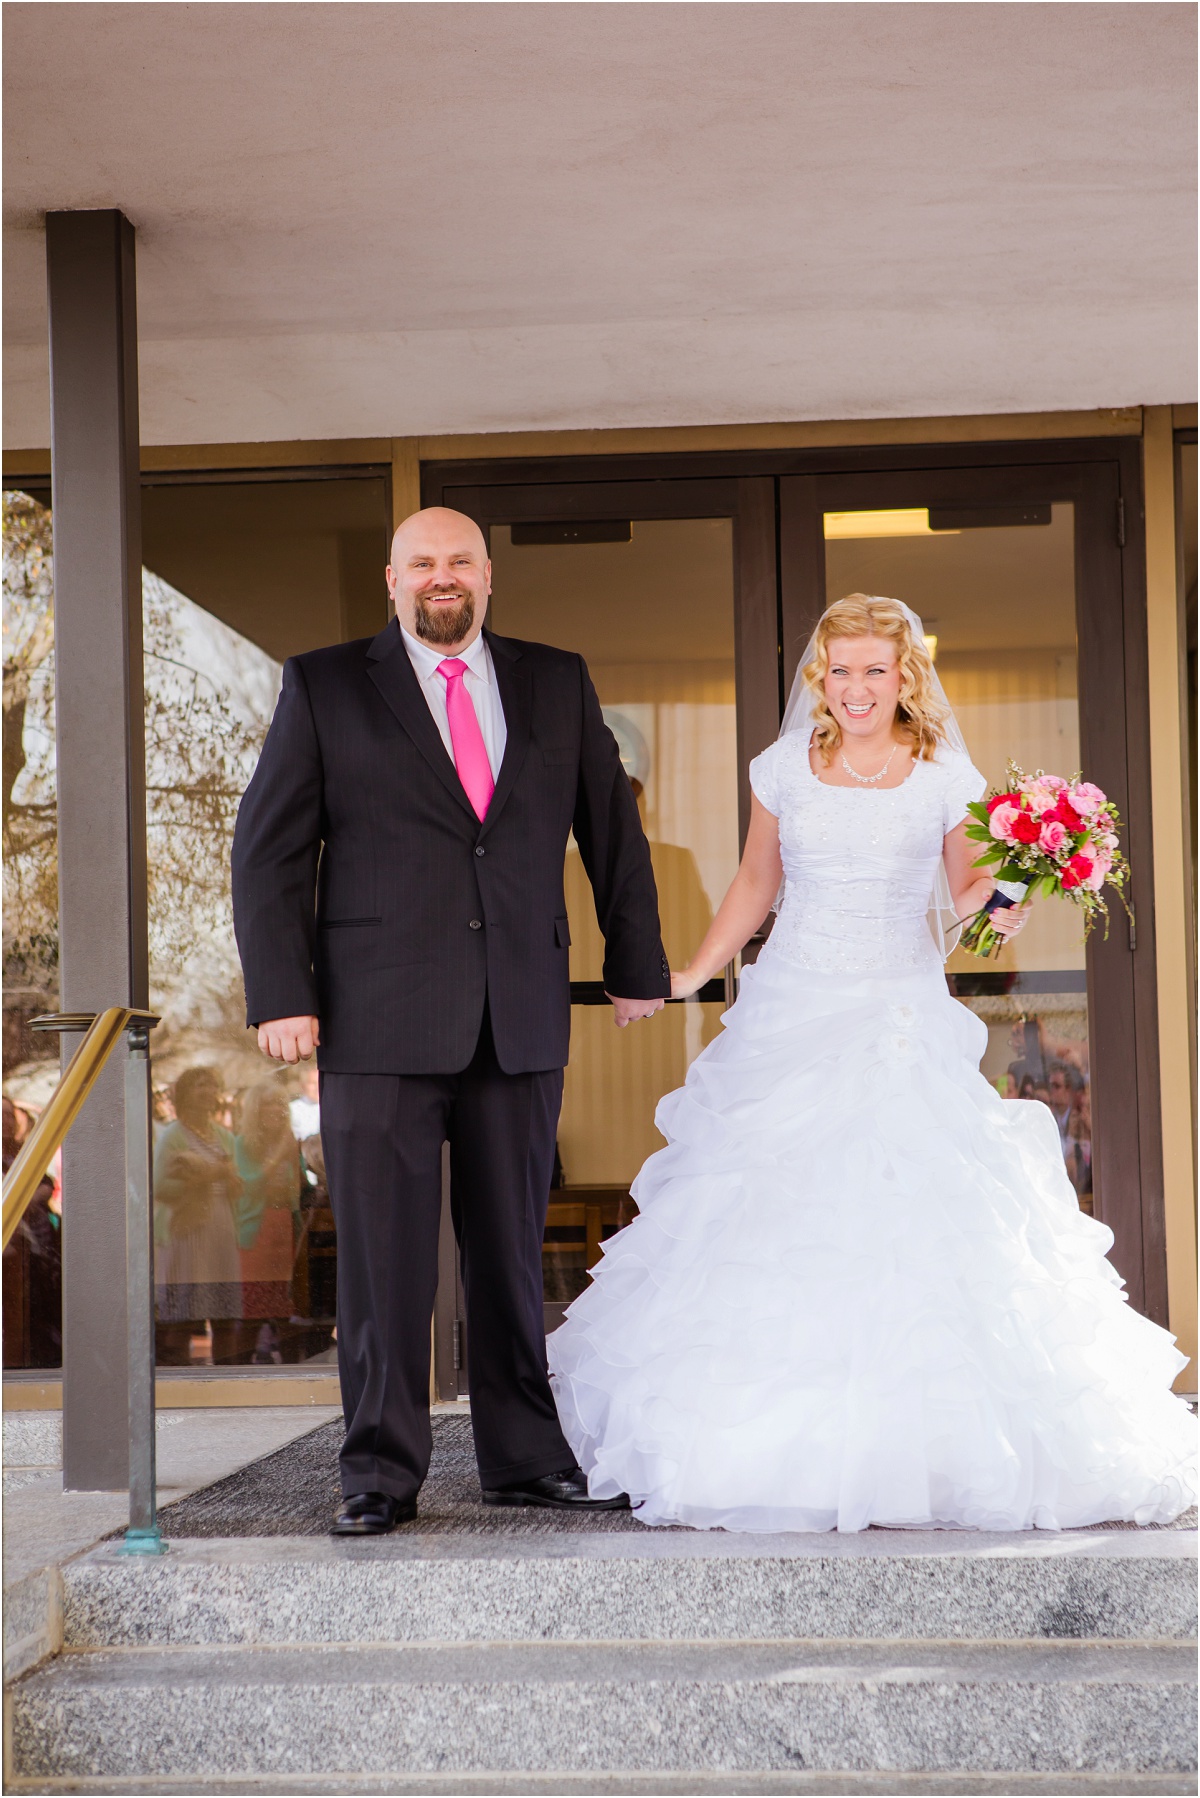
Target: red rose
<point>1076,871</point>
<point>1065,813</point>
<point>1003,799</point>
<point>1026,828</point>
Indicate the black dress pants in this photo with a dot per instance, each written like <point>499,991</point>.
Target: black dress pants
<point>383,1136</point>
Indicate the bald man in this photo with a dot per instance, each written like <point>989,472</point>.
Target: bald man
<point>398,899</point>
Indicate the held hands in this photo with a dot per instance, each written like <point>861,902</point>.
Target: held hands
<point>685,983</point>
<point>628,1011</point>
<point>289,1039</point>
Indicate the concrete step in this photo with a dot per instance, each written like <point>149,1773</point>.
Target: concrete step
<point>1112,1585</point>
<point>570,1708</point>
<point>957,1784</point>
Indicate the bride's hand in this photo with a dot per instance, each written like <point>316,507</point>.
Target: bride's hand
<point>1010,919</point>
<point>684,984</point>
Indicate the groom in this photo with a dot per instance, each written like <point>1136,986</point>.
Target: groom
<point>398,900</point>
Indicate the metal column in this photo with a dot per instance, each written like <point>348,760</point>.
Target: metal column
<point>101,792</point>
<point>143,1535</point>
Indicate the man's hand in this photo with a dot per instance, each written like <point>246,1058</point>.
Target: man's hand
<point>629,1010</point>
<point>289,1039</point>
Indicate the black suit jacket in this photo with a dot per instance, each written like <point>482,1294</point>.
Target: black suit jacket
<point>367,893</point>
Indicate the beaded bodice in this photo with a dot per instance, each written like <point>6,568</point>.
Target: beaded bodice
<point>859,862</point>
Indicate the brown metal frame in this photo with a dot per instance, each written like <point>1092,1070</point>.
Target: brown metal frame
<point>776,499</point>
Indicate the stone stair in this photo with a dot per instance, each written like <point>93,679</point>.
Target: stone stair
<point>890,1662</point>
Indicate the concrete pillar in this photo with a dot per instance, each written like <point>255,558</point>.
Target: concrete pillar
<point>101,791</point>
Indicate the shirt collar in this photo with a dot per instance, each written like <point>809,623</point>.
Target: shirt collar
<point>427,658</point>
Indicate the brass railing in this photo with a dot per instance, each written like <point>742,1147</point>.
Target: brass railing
<point>103,1032</point>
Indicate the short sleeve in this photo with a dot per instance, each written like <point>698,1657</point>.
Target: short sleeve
<point>963,785</point>
<point>764,778</point>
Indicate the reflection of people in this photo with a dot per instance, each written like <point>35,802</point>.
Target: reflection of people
<point>196,1187</point>
<point>434,774</point>
<point>272,1173</point>
<point>32,1266</point>
<point>164,1112</point>
<point>948,1344</point>
<point>305,1112</point>
<point>1062,1084</point>
<point>1079,1146</point>
<point>1025,1041</point>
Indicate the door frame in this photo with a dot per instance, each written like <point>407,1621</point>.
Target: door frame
<point>750,501</point>
<point>779,580</point>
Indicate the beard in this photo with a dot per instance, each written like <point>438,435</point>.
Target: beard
<point>444,625</point>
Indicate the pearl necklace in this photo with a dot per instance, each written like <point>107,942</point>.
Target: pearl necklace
<point>867,780</point>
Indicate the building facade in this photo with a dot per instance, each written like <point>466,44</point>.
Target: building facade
<point>1016,459</point>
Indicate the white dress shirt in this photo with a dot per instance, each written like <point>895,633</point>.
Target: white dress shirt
<point>480,683</point>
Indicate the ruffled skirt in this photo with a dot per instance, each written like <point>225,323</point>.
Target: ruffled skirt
<point>860,1291</point>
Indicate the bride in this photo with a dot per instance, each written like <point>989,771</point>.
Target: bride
<point>860,1289</point>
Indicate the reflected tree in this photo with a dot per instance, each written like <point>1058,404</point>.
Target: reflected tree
<point>209,696</point>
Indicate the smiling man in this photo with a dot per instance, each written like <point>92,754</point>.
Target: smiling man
<point>398,898</point>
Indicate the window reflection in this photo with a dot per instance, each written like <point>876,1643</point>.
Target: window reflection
<point>33,1260</point>
<point>244,574</point>
<point>239,575</point>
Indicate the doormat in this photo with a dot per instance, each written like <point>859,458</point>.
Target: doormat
<point>295,1492</point>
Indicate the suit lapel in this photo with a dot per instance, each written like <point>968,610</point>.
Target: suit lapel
<point>516,696</point>
<point>394,676</point>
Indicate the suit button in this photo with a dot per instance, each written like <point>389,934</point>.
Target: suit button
<point>481,852</point>
<point>476,923</point>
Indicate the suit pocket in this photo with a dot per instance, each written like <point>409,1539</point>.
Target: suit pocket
<point>347,923</point>
<point>560,758</point>
<point>562,933</point>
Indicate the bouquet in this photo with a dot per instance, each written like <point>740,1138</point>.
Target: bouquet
<point>1046,835</point>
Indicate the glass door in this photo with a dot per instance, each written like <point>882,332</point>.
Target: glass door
<point>642,580</point>
<point>1020,613</point>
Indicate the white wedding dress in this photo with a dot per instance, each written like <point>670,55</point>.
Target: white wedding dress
<point>860,1289</point>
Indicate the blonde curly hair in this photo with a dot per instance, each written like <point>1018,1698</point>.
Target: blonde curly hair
<point>920,717</point>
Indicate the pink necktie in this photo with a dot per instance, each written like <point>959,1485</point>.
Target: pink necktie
<point>466,738</point>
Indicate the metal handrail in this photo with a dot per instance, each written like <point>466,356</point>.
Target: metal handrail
<point>103,1033</point>
<point>49,1133</point>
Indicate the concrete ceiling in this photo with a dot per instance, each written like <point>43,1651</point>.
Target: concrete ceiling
<point>390,219</point>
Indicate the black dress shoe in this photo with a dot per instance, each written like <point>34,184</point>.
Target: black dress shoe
<point>372,1514</point>
<point>566,1491</point>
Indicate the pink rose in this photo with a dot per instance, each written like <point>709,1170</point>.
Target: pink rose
<point>1096,879</point>
<point>1086,798</point>
<point>1052,838</point>
<point>1110,843</point>
<point>1001,822</point>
